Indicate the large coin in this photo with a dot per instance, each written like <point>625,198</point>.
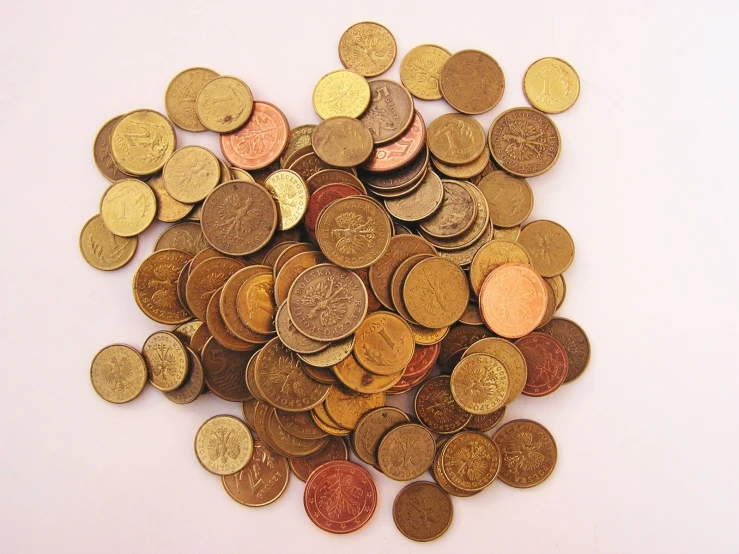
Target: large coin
<point>182,94</point>
<point>367,48</point>
<point>142,142</point>
<point>528,451</point>
<point>118,373</point>
<point>223,445</point>
<point>472,82</point>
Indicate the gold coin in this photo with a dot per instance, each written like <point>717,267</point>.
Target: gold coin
<point>102,249</point>
<point>479,384</point>
<point>292,269</point>
<point>421,68</point>
<point>550,246</point>
<point>479,226</point>
<point>470,449</point>
<point>186,236</point>
<point>205,279</point>
<point>251,383</point>
<point>427,337</point>
<point>437,473</point>
<point>436,293</point>
<point>331,177</point>
<point>331,355</point>
<point>155,287</point>
<point>182,94</point>
<point>341,92</point>
<point>422,511</point>
<point>167,360</point>
<point>185,331</point>
<point>191,174</point>
<point>510,356</point>
<point>287,444</point>
<point>510,199</point>
<point>507,233</point>
<point>300,137</point>
<point>390,111</point>
<point>367,48</point>
<point>559,286</point>
<point>456,139</point>
<point>291,337</point>
<point>118,373</point>
<point>464,171</point>
<point>342,141</point>
<point>396,285</point>
<point>224,104</point>
<point>383,343</point>
<point>494,254</point>
<point>472,82</point>
<point>229,308</point>
<point>524,434</point>
<point>262,481</point>
<point>419,204</point>
<point>358,379</point>
<point>102,152</point>
<point>406,452</point>
<point>551,85</point>
<point>324,421</point>
<point>193,385</point>
<point>128,207</point>
<point>142,142</point>
<point>289,191</point>
<point>218,328</point>
<point>372,427</point>
<point>346,407</point>
<point>255,303</point>
<point>238,174</point>
<point>223,445</point>
<point>436,408</point>
<point>169,210</point>
<point>471,315</point>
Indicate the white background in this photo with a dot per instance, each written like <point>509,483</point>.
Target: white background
<point>646,184</point>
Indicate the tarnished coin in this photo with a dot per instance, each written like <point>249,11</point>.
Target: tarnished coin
<point>224,104</point>
<point>300,137</point>
<point>327,177</point>
<point>223,445</point>
<point>510,356</point>
<point>436,293</point>
<point>559,286</point>
<point>224,371</point>
<point>372,427</point>
<point>342,141</point>
<point>118,373</point>
<point>396,285</point>
<point>255,303</point>
<point>102,152</point>
<point>510,199</point>
<point>406,150</point>
<point>436,408</point>
<point>283,442</point>
<point>546,363</point>
<point>185,236</point>
<point>292,269</point>
<point>299,424</point>
<point>493,255</point>
<point>357,378</point>
<point>346,407</point>
<point>421,203</point>
<point>335,449</point>
<point>426,337</point>
<point>259,142</point>
<point>406,451</point>
<point>291,195</point>
<point>205,279</point>
<point>472,82</point>
<point>551,85</point>
<point>420,366</point>
<point>463,171</point>
<point>182,94</point>
<point>168,209</point>
<point>466,450</point>
<point>193,385</point>
<point>383,343</point>
<point>479,226</point>
<point>367,48</point>
<point>524,142</point>
<point>458,338</point>
<point>486,422</point>
<point>331,355</point>
<point>422,511</point>
<point>528,453</point>
<point>102,249</point>
<point>456,139</point>
<point>218,328</point>
<point>420,70</point>
<point>322,198</point>
<point>155,286</point>
<point>191,173</point>
<point>390,111</point>
<point>458,212</point>
<point>142,142</point>
<point>291,337</point>
<point>262,481</point>
<point>550,246</point>
<point>128,207</point>
<point>167,360</point>
<point>480,384</point>
<point>575,343</point>
<point>341,92</point>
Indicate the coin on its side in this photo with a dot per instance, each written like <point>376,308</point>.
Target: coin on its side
<point>102,152</point>
<point>406,451</point>
<point>142,142</point>
<point>470,449</point>
<point>291,195</point>
<point>456,139</point>
<point>479,384</point>
<point>510,199</point>
<point>191,174</point>
<point>262,481</point>
<point>422,511</point>
<point>224,104</point>
<point>342,141</point>
<point>182,94</point>
<point>550,246</point>
<point>575,342</point>
<point>128,207</point>
<point>551,85</point>
<point>436,408</point>
<point>223,445</point>
<point>102,249</point>
<point>367,48</point>
<point>436,293</point>
<point>167,360</point>
<point>155,286</point>
<point>341,92</point>
<point>118,373</point>
<point>472,82</point>
<point>390,110</point>
<point>528,451</point>
<point>420,70</point>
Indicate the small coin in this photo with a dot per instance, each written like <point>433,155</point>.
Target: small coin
<point>528,451</point>
<point>102,249</point>
<point>559,286</point>
<point>169,210</point>
<point>466,450</point>
<point>181,97</point>
<point>255,303</point>
<point>460,337</point>
<point>575,343</point>
<point>390,111</point>
<point>493,255</point>
<point>420,366</point>
<point>322,198</point>
<point>550,246</point>
<point>333,177</point>
<point>331,355</point>
<point>458,212</point>
<point>335,449</point>
<point>223,445</point>
<point>185,331</point>
<point>486,422</point>
<point>406,451</point>
<point>383,343</point>
<point>463,171</point>
<point>421,203</point>
<point>118,373</point>
<point>205,279</point>
<point>193,385</point>
<point>510,233</point>
<point>551,85</point>
<point>142,142</point>
<point>524,142</point>
<point>259,142</point>
<point>191,173</point>
<point>292,269</point>
<point>546,363</point>
<point>224,371</point>
<point>291,337</point>
<point>436,408</point>
<point>480,384</point>
<point>291,195</point>
<point>456,139</point>
<point>511,357</point>
<point>367,48</point>
<point>479,226</point>
<point>102,152</point>
<point>436,293</point>
<point>510,199</point>
<point>128,207</point>
<point>422,511</point>
<point>472,82</point>
<point>229,308</point>
<point>396,285</point>
<point>341,93</point>
<point>167,360</point>
<point>300,137</point>
<point>219,330</point>
<point>155,286</point>
<point>299,424</point>
<point>406,150</point>
<point>224,104</point>
<point>420,70</point>
<point>342,141</point>
<point>262,481</point>
<point>287,444</point>
<point>185,236</point>
<point>346,407</point>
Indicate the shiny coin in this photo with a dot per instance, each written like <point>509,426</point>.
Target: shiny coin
<point>182,94</point>
<point>229,304</point>
<point>262,481</point>
<point>421,203</point>
<point>219,330</point>
<point>167,360</point>
<point>142,142</point>
<point>331,355</point>
<point>289,191</point>
<point>390,111</point>
<point>128,207</point>
<point>420,70</point>
<point>223,445</point>
<point>456,139</point>
<point>510,356</point>
<point>458,212</point>
<point>436,293</point>
<point>436,408</point>
<point>466,450</point>
<point>367,48</point>
<point>335,449</point>
<point>528,451</point>
<point>372,427</point>
<point>191,174</point>
<point>383,343</point>
<point>168,209</point>
<point>186,236</point>
<point>472,82</point>
<point>346,407</point>
<point>493,255</point>
<point>406,452</point>
<point>509,198</point>
<point>551,85</point>
<point>300,137</point>
<point>357,378</point>
<point>342,141</point>
<point>193,385</point>
<point>102,152</point>
<point>155,286</point>
<point>224,371</point>
<point>255,303</point>
<point>575,343</point>
<point>259,142</point>
<point>422,511</point>
<point>205,279</point>
<point>102,249</point>
<point>224,104</point>
<point>341,93</point>
<point>480,384</point>
<point>546,363</point>
<point>406,150</point>
<point>118,373</point>
<point>550,246</point>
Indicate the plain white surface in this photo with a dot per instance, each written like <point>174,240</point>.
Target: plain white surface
<point>646,184</point>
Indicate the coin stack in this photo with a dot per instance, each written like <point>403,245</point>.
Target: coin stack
<point>320,269</point>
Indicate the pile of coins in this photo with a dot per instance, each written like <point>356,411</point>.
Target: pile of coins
<point>320,269</point>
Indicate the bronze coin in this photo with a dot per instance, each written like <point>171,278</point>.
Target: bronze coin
<point>457,213</point>
<point>546,363</point>
<point>193,385</point>
<point>331,355</point>
<point>184,236</point>
<point>342,141</point>
<point>486,422</point>
<point>401,178</point>
<point>466,450</point>
<point>575,343</point>
<point>510,199</point>
<point>299,424</point>
<point>471,82</point>
<point>474,232</point>
<point>218,328</point>
<point>456,139</point>
<point>290,252</point>
<point>372,427</point>
<point>155,286</point>
<point>460,338</point>
<point>420,366</point>
<point>528,451</point>
<point>292,269</point>
<point>291,337</point>
<point>422,511</point>
<point>406,451</point>
<point>262,481</point>
<point>398,280</point>
<point>300,137</point>
<point>335,449</point>
<point>436,408</point>
<point>102,152</point>
<point>333,177</point>
<point>255,304</point>
<point>167,360</point>
<point>260,142</point>
<point>436,293</point>
<point>199,338</point>
<point>402,151</point>
<point>205,279</point>
<point>228,304</point>
<point>224,371</point>
<point>322,198</point>
<point>390,111</point>
<point>308,165</point>
<point>290,445</point>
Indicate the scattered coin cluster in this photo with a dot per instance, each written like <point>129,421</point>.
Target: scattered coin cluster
<point>316,270</point>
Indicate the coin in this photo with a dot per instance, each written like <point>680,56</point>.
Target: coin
<point>255,303</point>
<point>510,234</point>
<point>546,363</point>
<point>425,336</point>
<point>155,287</point>
<point>223,445</point>
<point>218,328</point>
<point>422,511</point>
<point>224,371</point>
<point>437,472</point>
<point>464,256</point>
<point>406,451</point>
<point>436,293</point>
<point>342,141</point>
<point>367,48</point>
<point>260,141</point>
<point>168,209</point>
<point>383,343</point>
<point>300,137</point>
<point>436,408</point>
<point>102,152</point>
<point>359,379</point>
<point>102,249</point>
<point>186,236</point>
<point>291,196</point>
<point>181,97</point>
<point>420,70</point>
<point>372,427</point>
<point>333,177</point>
<point>335,449</point>
<point>308,165</point>
<point>262,481</point>
<point>528,451</point>
<point>322,198</point>
<point>271,258</point>
<point>390,110</point>
<point>406,150</point>
<point>471,315</point>
<point>346,407</point>
<point>142,142</point>
<point>493,255</point>
<point>524,142</point>
<point>421,364</point>
<point>191,173</point>
<point>396,285</point>
<point>299,424</point>
<point>224,104</point>
<point>511,357</point>
<point>480,224</point>
<point>340,497</point>
<point>466,450</point>
<point>185,331</point>
<point>194,383</point>
<point>559,286</point>
<point>551,85</point>
<point>291,337</point>
<point>118,373</point>
<point>479,384</point>
<point>456,139</point>
<point>471,82</point>
<point>229,308</point>
<point>322,418</point>
<point>167,360</point>
<point>489,168</point>
<point>205,279</point>
<point>238,174</point>
<point>421,203</point>
<point>292,269</point>
<point>463,171</point>
<point>509,198</point>
<point>287,444</point>
<point>486,422</point>
<point>575,343</point>
<point>460,337</point>
<point>331,355</point>
<point>550,246</point>
<point>128,207</point>
<point>458,212</point>
<point>341,92</point>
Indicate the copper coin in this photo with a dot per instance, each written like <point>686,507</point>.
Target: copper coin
<point>205,279</point>
<point>262,481</point>
<point>260,142</point>
<point>422,511</point>
<point>299,424</point>
<point>155,286</point>
<point>224,371</point>
<point>390,111</point>
<point>308,165</point>
<point>291,337</point>
<point>322,198</point>
<point>486,422</point>
<point>335,449</point>
<point>546,363</point>
<point>340,497</point>
<point>528,453</point>
<point>218,328</point>
<point>398,280</point>
<point>421,364</point>
<point>575,342</point>
<point>472,82</point>
<point>436,408</point>
<point>460,338</point>
<point>333,177</point>
<point>399,152</point>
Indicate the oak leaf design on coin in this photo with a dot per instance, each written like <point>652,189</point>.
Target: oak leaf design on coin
<point>329,304</point>
<point>353,232</point>
<point>258,137</point>
<point>340,497</point>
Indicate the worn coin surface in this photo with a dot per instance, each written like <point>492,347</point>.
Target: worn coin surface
<point>406,150</point>
<point>262,481</point>
<point>223,445</point>
<point>479,226</point>
<point>383,343</point>
<point>372,427</point>
<point>331,355</point>
<point>342,141</point>
<point>224,104</point>
<point>480,384</point>
<point>168,209</point>
<point>300,137</point>
<point>155,286</point>
<point>422,511</point>
<point>510,199</point>
<point>550,246</point>
<point>260,141</point>
<point>420,70</point>
<point>335,449</point>
<point>390,110</point>
<point>167,360</point>
<point>186,236</point>
<point>142,142</point>
<point>205,279</point>
<point>421,203</point>
<point>291,337</point>
<point>457,213</point>
<point>456,139</point>
<point>102,249</point>
<point>118,373</point>
<point>102,152</point>
<point>181,97</point>
<point>346,407</point>
<point>551,85</point>
<point>470,460</point>
<point>224,371</point>
<point>493,255</point>
<point>406,451</point>
<point>191,173</point>
<point>436,408</point>
<point>193,385</point>
<point>472,82</point>
<point>528,453</point>
<point>367,48</point>
<point>341,92</point>
<point>436,293</point>
<point>128,207</point>
<point>510,356</point>
<point>291,195</point>
<point>575,342</point>
<point>255,303</point>
<point>357,378</point>
<point>546,363</point>
<point>322,198</point>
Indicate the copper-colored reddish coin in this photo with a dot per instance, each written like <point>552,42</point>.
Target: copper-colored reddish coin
<point>421,364</point>
<point>322,198</point>
<point>546,363</point>
<point>260,142</point>
<point>400,151</point>
<point>340,497</point>
<point>400,178</point>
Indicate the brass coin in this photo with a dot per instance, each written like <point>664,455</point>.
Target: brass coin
<point>228,303</point>
<point>239,218</point>
<point>510,199</point>
<point>486,422</point>
<point>480,224</point>
<point>464,256</point>
<point>308,165</point>
<point>290,252</point>
<point>255,303</point>
<point>463,171</point>
<point>289,191</point>
<point>142,142</point>
<point>187,237</point>
<point>529,453</point>
<point>420,70</point>
<point>342,141</point>
<point>507,233</point>
<point>331,355</point>
<point>224,371</point>
<point>575,343</point>
<point>390,111</point>
<point>167,360</point>
<point>550,246</point>
<point>191,173</point>
<point>155,287</point>
<point>324,421</point>
<point>224,104</point>
<point>299,153</point>
<point>332,177</point>
<point>168,209</point>
<point>354,376</point>
<point>367,48</point>
<point>422,511</point>
<point>335,449</point>
<point>471,315</point>
<point>102,249</point>
<point>321,375</point>
<point>494,254</point>
<point>559,286</point>
<point>524,142</point>
<point>472,82</point>
<point>436,408</point>
<point>218,328</point>
<point>272,256</point>
<point>480,384</point>
<point>291,337</point>
<point>299,424</point>
<point>118,373</point>
<point>437,473</point>
<point>199,338</point>
<point>346,407</point>
<point>300,137</point>
<point>128,207</point>
<point>456,139</point>
<point>341,92</point>
<point>470,449</point>
<point>185,331</point>
<point>102,152</point>
<point>419,204</point>
<point>372,427</point>
<point>290,445</point>
<point>383,343</point>
<point>551,305</point>
<point>436,293</point>
<point>460,337</point>
<point>193,385</point>
<point>396,285</point>
<point>262,481</point>
<point>182,94</point>
<point>458,212</point>
<point>223,445</point>
<point>205,279</point>
<point>427,337</point>
<point>292,269</point>
<point>238,174</point>
<point>510,356</point>
<point>406,452</point>
<point>551,85</point>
